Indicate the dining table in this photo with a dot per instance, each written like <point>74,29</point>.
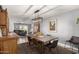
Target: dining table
<point>44,38</point>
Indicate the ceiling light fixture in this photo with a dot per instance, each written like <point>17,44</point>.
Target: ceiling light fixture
<point>37,17</point>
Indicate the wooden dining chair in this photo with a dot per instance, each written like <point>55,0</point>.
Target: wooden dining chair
<point>29,40</point>
<point>52,45</point>
<point>38,45</point>
<point>37,42</point>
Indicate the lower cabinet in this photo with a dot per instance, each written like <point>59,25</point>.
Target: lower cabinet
<point>8,46</point>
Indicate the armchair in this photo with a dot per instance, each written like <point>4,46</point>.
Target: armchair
<point>75,41</point>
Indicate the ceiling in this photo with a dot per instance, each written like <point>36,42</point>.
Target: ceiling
<point>45,10</point>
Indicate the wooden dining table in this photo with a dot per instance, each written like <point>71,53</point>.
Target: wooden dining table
<point>45,39</point>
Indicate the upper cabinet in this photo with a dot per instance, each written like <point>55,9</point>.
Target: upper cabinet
<point>4,21</point>
<point>3,17</point>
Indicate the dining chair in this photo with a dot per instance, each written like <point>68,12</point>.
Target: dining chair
<point>52,45</point>
<point>29,40</point>
<point>38,45</point>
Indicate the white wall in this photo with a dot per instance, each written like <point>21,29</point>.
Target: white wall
<point>66,25</point>
<point>13,20</point>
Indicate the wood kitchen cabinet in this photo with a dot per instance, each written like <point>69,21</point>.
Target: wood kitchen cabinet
<point>8,44</point>
<point>8,41</point>
<point>4,21</point>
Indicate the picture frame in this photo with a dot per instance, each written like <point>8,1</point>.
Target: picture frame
<point>53,25</point>
<point>77,22</point>
<point>36,27</point>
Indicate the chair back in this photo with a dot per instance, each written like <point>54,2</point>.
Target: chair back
<point>29,38</point>
<point>54,43</point>
<point>34,41</point>
<point>75,39</point>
